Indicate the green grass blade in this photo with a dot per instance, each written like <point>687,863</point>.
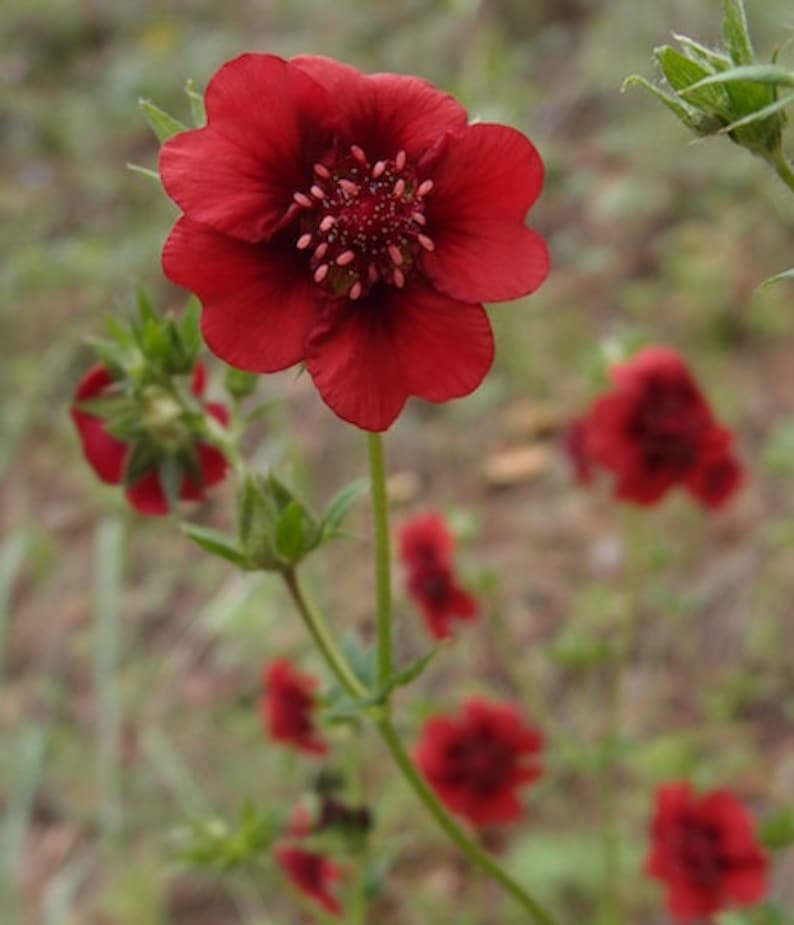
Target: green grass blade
<point>12,555</point>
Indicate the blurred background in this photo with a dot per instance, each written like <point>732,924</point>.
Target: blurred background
<point>130,663</point>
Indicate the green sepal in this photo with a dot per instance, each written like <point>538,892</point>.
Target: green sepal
<point>289,533</point>
<point>143,171</point>
<point>160,122</point>
<point>681,72</point>
<point>736,32</point>
<point>239,383</point>
<point>141,459</point>
<point>756,73</point>
<point>217,844</point>
<point>196,97</point>
<point>171,476</point>
<point>710,58</point>
<point>777,278</point>
<point>692,118</point>
<point>215,543</point>
<point>339,507</point>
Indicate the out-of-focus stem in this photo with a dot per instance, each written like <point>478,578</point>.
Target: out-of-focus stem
<point>380,522</point>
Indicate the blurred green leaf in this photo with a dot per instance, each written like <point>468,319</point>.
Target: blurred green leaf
<point>215,543</point>
<point>160,122</point>
<point>339,506</point>
<point>778,277</point>
<point>777,831</point>
<point>736,33</point>
<point>196,97</point>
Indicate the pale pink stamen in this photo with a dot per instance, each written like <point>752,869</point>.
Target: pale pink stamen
<point>322,171</point>
<point>304,241</point>
<point>317,191</point>
<point>424,188</point>
<point>358,154</point>
<point>427,243</point>
<point>327,223</point>
<point>321,250</point>
<point>372,273</point>
<point>399,161</point>
<point>321,272</point>
<point>345,258</point>
<point>349,186</point>
<point>399,188</point>
<point>378,169</point>
<point>418,218</point>
<point>396,255</point>
<point>303,200</point>
<point>355,290</point>
<point>399,278</point>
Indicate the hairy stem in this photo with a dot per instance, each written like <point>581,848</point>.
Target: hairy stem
<point>380,520</point>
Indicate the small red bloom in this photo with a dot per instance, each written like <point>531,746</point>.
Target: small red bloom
<point>286,707</point>
<point>426,547</point>
<point>655,430</point>
<point>311,873</point>
<point>354,223</point>
<point>705,850</point>
<point>477,761</point>
<point>108,456</point>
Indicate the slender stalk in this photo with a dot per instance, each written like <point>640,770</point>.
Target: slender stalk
<point>782,168</point>
<point>336,662</point>
<point>456,834</point>
<point>322,638</point>
<point>380,520</point>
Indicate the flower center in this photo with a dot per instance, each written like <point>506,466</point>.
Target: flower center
<point>363,223</point>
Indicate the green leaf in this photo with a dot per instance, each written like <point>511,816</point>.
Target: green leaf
<point>339,507</point>
<point>215,543</point>
<point>757,73</point>
<point>682,73</point>
<point>289,533</point>
<point>759,115</point>
<point>163,125</point>
<point>196,97</point>
<point>708,57</point>
<point>777,831</point>
<point>143,171</point>
<point>692,118</point>
<point>736,33</point>
<point>409,674</point>
<point>778,277</point>
<point>189,327</point>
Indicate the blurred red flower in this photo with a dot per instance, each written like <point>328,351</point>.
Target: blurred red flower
<point>477,761</point>
<point>312,874</point>
<point>286,707</point>
<point>655,430</point>
<point>353,223</point>
<point>705,850</point>
<point>108,456</point>
<point>426,548</point>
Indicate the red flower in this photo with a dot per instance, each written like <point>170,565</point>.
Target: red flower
<point>704,848</point>
<point>353,223</point>
<point>286,707</point>
<point>311,873</point>
<point>655,430</point>
<point>477,762</point>
<point>108,456</point>
<point>426,547</point>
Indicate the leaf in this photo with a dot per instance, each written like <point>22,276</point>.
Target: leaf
<point>163,125</point>
<point>339,506</point>
<point>777,831</point>
<point>786,274</point>
<point>682,73</point>
<point>215,543</point>
<point>759,115</point>
<point>691,117</point>
<point>409,674</point>
<point>736,33</point>
<point>757,73</point>
<point>196,97</point>
<point>289,533</point>
<point>143,171</point>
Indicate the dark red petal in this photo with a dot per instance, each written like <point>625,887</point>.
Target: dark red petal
<point>267,123</point>
<point>259,302</point>
<point>367,358</point>
<point>484,186</point>
<point>147,495</point>
<point>104,453</point>
<point>386,113</point>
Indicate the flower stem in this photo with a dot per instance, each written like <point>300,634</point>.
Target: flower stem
<point>380,520</point>
<point>782,168</point>
<point>456,834</point>
<point>322,637</point>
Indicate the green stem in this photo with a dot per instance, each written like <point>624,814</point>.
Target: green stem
<point>322,638</point>
<point>380,520</point>
<point>456,834</point>
<point>782,168</point>
<point>336,662</point>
